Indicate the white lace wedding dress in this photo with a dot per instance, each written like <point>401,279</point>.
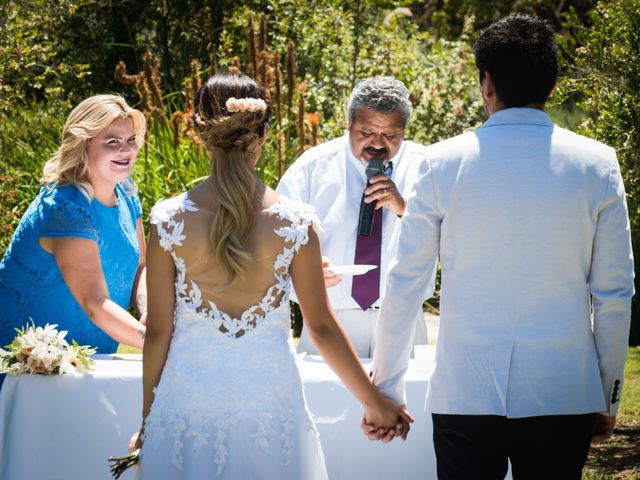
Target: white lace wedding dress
<point>230,403</point>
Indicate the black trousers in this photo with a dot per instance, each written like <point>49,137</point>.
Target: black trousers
<point>542,448</point>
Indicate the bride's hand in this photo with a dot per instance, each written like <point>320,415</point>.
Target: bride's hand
<point>382,434</point>
<point>135,442</point>
<point>386,420</point>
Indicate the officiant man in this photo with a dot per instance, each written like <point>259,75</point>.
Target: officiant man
<point>530,223</point>
<point>332,178</point>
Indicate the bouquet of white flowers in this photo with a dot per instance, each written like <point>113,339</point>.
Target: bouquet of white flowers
<point>44,351</point>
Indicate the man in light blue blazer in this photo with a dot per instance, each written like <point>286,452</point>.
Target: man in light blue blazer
<point>531,226</point>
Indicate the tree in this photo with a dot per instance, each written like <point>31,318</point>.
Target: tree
<point>606,78</point>
<point>447,17</point>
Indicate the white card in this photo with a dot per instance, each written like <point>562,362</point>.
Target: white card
<point>351,269</point>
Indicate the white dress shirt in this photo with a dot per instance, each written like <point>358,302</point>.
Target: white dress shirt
<point>531,226</point>
<point>332,180</point>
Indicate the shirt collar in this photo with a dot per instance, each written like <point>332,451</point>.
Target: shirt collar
<point>518,116</point>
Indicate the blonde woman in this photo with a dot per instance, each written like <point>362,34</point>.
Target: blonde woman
<point>78,252</point>
<point>222,393</point>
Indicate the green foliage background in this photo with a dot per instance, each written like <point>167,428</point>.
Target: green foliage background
<point>54,54</point>
<point>604,76</point>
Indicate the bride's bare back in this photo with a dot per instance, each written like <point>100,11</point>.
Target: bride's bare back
<point>263,244</point>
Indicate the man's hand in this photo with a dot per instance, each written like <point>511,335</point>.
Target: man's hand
<point>385,192</point>
<point>602,427</point>
<point>330,279</point>
<point>385,435</point>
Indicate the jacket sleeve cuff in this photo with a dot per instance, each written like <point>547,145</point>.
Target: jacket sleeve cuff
<point>395,391</point>
<point>613,397</point>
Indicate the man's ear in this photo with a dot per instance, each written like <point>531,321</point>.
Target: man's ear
<point>487,87</point>
<point>350,118</point>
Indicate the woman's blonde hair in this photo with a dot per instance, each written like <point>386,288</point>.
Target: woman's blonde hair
<point>69,164</point>
<point>231,139</point>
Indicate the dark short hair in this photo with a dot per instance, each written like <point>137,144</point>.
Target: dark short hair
<point>521,54</point>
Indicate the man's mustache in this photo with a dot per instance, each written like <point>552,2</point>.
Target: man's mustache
<point>378,152</point>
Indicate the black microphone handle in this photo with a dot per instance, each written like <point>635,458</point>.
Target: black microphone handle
<point>367,210</point>
<point>365,224</point>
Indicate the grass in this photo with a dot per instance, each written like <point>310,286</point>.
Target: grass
<point>631,400</point>
<point>619,458</point>
<point>127,349</point>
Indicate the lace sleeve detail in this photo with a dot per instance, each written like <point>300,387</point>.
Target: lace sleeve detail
<point>67,214</point>
<point>300,215</point>
<point>170,231</point>
<point>163,211</point>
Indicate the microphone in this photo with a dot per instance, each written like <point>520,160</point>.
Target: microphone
<point>367,210</point>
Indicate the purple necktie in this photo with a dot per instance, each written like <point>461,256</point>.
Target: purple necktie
<point>365,289</point>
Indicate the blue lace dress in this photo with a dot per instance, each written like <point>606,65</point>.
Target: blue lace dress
<point>31,285</point>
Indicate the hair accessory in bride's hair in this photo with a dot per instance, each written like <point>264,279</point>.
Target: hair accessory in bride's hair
<point>246,105</point>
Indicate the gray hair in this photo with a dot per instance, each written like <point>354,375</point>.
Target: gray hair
<point>381,94</point>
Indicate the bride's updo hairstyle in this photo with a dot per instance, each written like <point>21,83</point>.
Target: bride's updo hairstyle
<point>231,116</point>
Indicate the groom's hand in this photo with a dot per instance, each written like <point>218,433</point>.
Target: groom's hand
<point>374,433</point>
<point>603,426</point>
<point>385,435</point>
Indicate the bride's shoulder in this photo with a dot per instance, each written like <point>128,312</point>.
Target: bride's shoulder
<point>295,218</point>
<point>164,210</point>
<point>293,211</point>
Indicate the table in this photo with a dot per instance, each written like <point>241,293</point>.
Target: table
<point>64,427</point>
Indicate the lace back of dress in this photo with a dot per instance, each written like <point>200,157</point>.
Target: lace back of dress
<point>238,309</point>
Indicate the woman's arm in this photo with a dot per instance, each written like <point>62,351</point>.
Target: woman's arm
<point>139,290</point>
<point>331,340</point>
<point>162,299</point>
<point>79,262</point>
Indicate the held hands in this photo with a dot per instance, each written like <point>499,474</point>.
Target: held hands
<point>385,192</point>
<point>386,421</point>
<point>330,279</point>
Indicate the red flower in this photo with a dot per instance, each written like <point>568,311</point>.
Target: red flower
<point>313,118</point>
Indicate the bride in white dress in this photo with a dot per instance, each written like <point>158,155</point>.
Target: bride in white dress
<point>223,396</point>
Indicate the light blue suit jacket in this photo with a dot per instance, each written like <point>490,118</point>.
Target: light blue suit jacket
<point>531,226</point>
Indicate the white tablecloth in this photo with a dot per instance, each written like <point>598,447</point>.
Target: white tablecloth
<point>65,427</point>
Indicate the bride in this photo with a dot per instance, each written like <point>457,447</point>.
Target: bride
<point>223,395</point>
